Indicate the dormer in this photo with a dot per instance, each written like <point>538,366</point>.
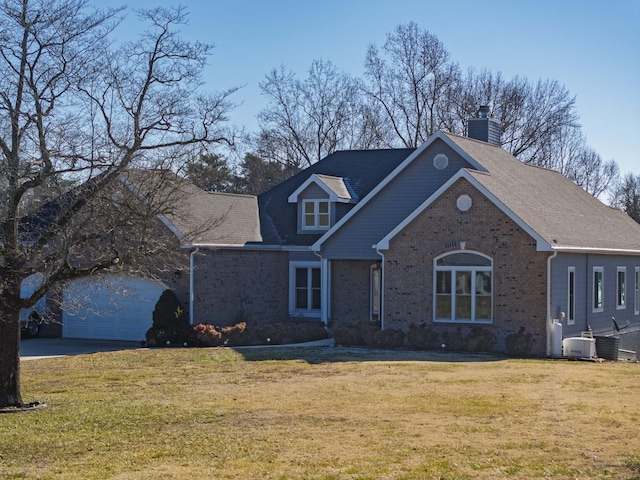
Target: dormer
<point>317,198</point>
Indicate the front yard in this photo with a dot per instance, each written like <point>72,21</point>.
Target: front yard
<point>322,413</point>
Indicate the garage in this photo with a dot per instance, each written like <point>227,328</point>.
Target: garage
<point>109,307</point>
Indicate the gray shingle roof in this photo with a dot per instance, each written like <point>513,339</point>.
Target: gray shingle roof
<point>557,209</point>
<point>199,218</point>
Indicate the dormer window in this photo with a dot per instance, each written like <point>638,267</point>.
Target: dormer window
<point>316,215</point>
<point>317,198</point>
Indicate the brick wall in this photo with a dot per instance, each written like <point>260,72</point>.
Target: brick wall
<point>232,286</point>
<point>519,271</point>
<point>350,287</point>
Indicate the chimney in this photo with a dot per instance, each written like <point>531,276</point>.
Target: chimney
<point>484,128</point>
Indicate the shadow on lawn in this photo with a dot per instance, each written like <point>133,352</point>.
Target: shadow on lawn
<point>324,354</point>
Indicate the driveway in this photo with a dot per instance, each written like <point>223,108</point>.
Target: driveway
<point>34,348</point>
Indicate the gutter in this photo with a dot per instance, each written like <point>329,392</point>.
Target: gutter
<point>549,305</point>
<point>191,283</point>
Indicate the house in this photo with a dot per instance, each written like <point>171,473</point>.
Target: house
<point>456,236</point>
<point>155,215</point>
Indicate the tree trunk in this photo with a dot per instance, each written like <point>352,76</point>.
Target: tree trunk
<point>10,395</point>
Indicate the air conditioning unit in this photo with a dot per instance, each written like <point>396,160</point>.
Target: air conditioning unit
<point>579,347</point>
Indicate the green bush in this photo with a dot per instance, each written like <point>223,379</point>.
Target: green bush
<point>454,341</point>
<point>170,323</point>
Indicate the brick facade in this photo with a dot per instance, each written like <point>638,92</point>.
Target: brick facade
<point>519,271</point>
<point>231,286</point>
<point>350,287</point>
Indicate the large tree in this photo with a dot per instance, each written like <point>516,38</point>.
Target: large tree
<point>626,195</point>
<point>77,106</point>
<point>308,119</point>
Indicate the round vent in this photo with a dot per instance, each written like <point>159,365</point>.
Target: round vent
<point>464,203</point>
<point>440,161</point>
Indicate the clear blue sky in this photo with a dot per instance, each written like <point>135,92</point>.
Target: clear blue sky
<point>591,47</point>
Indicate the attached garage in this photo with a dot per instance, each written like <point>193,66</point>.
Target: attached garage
<point>109,307</point>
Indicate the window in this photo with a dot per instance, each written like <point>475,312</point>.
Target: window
<point>636,293</point>
<point>305,288</point>
<point>376,294</point>
<point>598,286</point>
<point>621,288</point>
<point>463,288</point>
<point>315,214</point>
<point>571,296</point>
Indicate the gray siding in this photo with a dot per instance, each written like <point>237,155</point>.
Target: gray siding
<point>600,322</point>
<point>392,205</point>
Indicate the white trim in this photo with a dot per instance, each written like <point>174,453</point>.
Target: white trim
<point>595,309</point>
<point>571,303</point>
<point>472,292</point>
<point>636,292</point>
<point>416,153</point>
<point>316,214</point>
<point>549,301</point>
<point>325,285</point>
<point>317,180</point>
<point>192,283</point>
<point>377,266</point>
<point>621,290</point>
<point>599,251</point>
<point>542,244</point>
<point>309,312</point>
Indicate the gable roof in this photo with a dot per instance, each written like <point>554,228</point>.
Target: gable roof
<point>336,188</point>
<point>555,211</point>
<point>197,217</point>
<point>361,170</point>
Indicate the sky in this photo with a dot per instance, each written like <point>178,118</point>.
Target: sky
<point>591,47</point>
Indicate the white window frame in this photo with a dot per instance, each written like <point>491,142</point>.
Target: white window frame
<point>474,269</point>
<point>309,311</point>
<point>375,280</point>
<point>621,288</point>
<point>636,296</point>
<point>316,214</point>
<point>597,271</point>
<point>571,296</point>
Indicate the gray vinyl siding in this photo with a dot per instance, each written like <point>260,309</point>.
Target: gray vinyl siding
<point>600,322</point>
<point>391,205</point>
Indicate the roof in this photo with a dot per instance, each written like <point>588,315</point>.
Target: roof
<point>337,188</point>
<point>197,217</point>
<point>562,213</point>
<point>559,214</point>
<point>358,170</point>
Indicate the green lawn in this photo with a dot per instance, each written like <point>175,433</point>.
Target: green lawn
<point>322,413</point>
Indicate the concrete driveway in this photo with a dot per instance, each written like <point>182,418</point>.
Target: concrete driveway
<point>34,348</point>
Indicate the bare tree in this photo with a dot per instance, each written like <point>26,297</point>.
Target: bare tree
<point>626,195</point>
<point>412,80</point>
<point>75,108</point>
<point>311,118</point>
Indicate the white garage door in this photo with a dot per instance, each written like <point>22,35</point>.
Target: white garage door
<point>109,307</point>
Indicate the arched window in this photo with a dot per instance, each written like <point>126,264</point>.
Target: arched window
<point>463,286</point>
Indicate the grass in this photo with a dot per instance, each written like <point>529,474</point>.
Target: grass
<point>322,413</point>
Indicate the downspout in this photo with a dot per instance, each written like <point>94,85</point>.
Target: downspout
<point>549,301</point>
<point>381,288</point>
<point>191,283</point>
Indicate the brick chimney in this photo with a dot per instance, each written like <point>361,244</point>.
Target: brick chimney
<point>484,128</point>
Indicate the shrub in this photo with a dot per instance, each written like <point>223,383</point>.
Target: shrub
<point>389,338</point>
<point>204,335</point>
<point>169,319</point>
<point>481,340</point>
<point>356,334</point>
<point>454,341</point>
<point>422,337</point>
<point>519,344</point>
